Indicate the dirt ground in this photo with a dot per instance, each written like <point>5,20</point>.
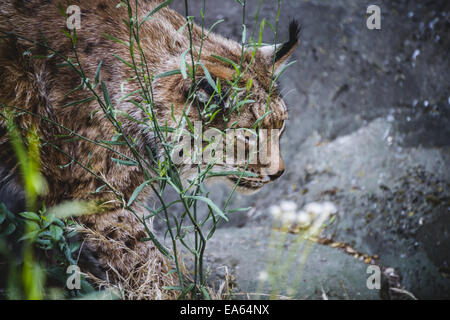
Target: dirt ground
<point>369,130</point>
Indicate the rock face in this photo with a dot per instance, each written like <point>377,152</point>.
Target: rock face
<point>369,130</point>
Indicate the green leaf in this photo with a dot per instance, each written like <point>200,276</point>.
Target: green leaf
<point>44,243</point>
<point>2,216</point>
<point>162,5</point>
<point>183,64</point>
<point>168,74</point>
<point>211,204</point>
<point>279,73</point>
<point>78,102</point>
<point>9,229</point>
<point>74,37</point>
<point>129,94</point>
<point>106,94</point>
<point>249,84</point>
<point>32,226</point>
<point>61,9</point>
<point>107,36</point>
<point>30,216</point>
<point>241,103</point>
<point>159,245</point>
<point>172,288</point>
<point>46,221</point>
<point>125,162</point>
<point>4,211</point>
<point>226,60</point>
<point>74,90</point>
<point>239,210</point>
<point>219,85</point>
<point>67,34</point>
<point>97,73</point>
<point>262,118</point>
<point>186,291</point>
<point>89,289</point>
<point>123,61</point>
<point>30,235</point>
<point>58,222</point>
<point>205,293</point>
<point>214,25</point>
<point>56,232</point>
<point>138,190</point>
<point>113,143</point>
<point>208,77</point>
<point>74,246</point>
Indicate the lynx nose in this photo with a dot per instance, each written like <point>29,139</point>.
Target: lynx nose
<point>276,175</point>
<point>280,171</point>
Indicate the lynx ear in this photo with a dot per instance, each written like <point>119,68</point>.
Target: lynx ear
<point>284,50</point>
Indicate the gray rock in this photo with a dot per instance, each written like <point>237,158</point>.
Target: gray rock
<point>369,130</point>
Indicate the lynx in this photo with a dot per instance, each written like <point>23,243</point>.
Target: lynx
<point>112,248</point>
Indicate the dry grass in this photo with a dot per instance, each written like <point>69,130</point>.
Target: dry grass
<point>146,278</point>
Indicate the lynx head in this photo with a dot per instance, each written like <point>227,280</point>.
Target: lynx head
<point>235,93</point>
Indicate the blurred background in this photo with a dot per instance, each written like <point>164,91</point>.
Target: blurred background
<point>369,130</point>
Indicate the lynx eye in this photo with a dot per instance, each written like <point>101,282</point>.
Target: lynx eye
<point>204,93</point>
<point>202,96</point>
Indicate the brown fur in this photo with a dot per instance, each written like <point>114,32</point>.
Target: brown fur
<point>38,86</point>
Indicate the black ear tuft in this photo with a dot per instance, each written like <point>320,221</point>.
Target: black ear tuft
<point>294,32</point>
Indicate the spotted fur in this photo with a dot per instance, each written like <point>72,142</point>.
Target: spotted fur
<point>40,86</point>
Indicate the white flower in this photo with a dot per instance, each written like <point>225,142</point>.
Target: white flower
<point>263,276</point>
<point>288,206</point>
<point>275,211</point>
<point>314,209</point>
<point>303,219</point>
<point>329,207</point>
<point>288,217</point>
